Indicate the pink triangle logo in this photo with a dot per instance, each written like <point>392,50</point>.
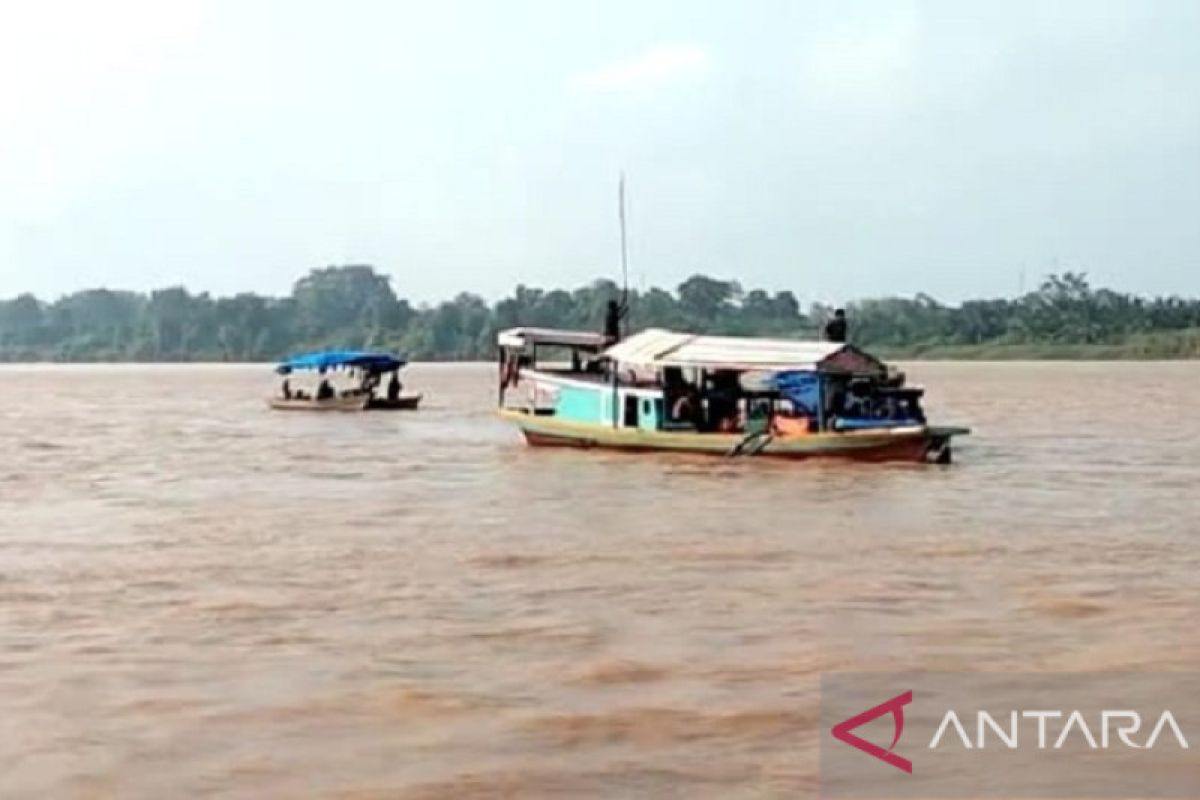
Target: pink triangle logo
<point>895,706</point>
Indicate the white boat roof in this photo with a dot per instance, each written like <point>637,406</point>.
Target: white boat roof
<point>522,337</point>
<point>656,347</point>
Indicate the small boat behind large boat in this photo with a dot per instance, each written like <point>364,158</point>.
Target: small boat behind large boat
<point>403,403</point>
<point>368,369</point>
<point>337,403</point>
<point>733,396</point>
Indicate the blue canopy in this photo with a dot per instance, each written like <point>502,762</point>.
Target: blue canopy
<point>332,359</point>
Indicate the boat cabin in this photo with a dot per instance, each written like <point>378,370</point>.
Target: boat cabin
<point>557,357</point>
<point>660,380</point>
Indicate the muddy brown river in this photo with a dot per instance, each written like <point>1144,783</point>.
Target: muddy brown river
<point>201,597</point>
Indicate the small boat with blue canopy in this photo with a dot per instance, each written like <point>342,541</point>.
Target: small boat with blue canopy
<point>366,370</point>
<point>734,396</point>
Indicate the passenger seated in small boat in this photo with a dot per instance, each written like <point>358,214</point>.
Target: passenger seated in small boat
<point>393,388</point>
<point>325,390</point>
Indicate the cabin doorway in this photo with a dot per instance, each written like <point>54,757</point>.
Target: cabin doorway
<point>630,417</point>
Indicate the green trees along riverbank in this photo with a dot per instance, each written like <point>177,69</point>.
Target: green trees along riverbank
<point>356,306</point>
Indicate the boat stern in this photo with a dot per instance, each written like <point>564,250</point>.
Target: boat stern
<point>938,443</point>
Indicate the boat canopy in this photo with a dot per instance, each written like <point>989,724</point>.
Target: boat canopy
<point>524,337</point>
<point>657,348</point>
<point>333,359</point>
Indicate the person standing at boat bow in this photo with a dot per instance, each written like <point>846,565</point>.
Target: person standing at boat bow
<point>836,328</point>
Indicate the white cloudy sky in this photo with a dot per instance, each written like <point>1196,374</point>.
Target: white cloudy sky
<point>839,149</point>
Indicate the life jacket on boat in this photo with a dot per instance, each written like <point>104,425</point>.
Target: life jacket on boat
<point>789,426</point>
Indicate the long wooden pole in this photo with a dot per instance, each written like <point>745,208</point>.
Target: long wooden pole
<point>624,249</point>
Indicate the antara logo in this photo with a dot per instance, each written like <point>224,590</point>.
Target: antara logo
<point>895,707</point>
<point>1124,723</point>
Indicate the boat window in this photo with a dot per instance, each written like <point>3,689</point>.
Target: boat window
<point>631,411</point>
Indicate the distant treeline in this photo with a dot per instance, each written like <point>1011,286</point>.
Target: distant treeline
<point>355,306</point>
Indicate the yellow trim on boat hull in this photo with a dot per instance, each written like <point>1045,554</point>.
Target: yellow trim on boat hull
<point>908,444</point>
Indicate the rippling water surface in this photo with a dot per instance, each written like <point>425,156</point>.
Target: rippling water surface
<point>200,596</point>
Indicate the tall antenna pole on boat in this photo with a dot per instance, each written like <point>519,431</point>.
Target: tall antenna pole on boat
<point>624,247</point>
<point>624,305</point>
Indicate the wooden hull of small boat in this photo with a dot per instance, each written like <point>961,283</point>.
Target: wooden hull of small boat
<point>406,403</point>
<point>917,443</point>
<point>332,404</point>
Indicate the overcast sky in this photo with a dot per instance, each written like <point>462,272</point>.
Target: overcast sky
<point>837,149</point>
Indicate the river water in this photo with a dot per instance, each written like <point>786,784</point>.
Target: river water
<point>199,596</point>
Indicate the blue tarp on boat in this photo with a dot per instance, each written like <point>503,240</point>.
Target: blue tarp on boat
<point>802,388</point>
<point>333,359</point>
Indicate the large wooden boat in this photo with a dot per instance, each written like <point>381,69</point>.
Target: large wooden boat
<point>667,391</point>
<point>367,368</point>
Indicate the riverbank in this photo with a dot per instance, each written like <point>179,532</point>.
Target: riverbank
<point>1163,346</point>
<point>1174,345</point>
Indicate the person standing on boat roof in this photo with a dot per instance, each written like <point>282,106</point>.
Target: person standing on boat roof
<point>836,328</point>
<point>613,314</point>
